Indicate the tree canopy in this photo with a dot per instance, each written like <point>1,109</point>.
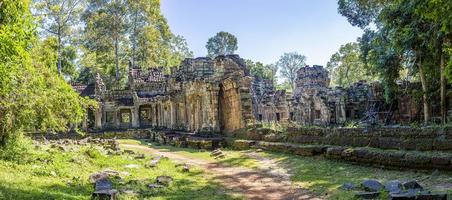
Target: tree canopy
<point>346,67</point>
<point>289,64</point>
<point>408,34</point>
<point>223,43</point>
<point>34,97</point>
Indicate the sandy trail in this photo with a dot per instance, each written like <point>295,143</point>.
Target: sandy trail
<point>253,184</point>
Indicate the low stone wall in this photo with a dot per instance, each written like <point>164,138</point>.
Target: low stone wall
<point>421,139</point>
<point>123,134</point>
<point>361,155</point>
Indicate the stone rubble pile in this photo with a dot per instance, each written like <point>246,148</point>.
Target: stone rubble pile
<point>396,190</point>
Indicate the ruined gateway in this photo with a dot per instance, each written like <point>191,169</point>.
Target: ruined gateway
<point>220,95</point>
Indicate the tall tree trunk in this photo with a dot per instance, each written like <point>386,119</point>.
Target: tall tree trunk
<point>424,92</point>
<point>443,89</point>
<point>59,52</point>
<point>117,58</point>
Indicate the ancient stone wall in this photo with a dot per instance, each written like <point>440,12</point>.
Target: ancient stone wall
<point>419,139</point>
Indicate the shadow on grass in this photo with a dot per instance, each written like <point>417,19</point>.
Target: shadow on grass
<point>47,192</point>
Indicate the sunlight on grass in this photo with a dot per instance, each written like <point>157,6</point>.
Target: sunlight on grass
<point>51,174</point>
<point>324,177</point>
<point>232,158</point>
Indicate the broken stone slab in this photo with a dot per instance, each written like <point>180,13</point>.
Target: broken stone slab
<point>140,156</point>
<point>348,186</point>
<point>372,185</point>
<point>155,186</point>
<point>186,168</point>
<point>368,195</point>
<point>128,151</point>
<point>105,194</point>
<point>152,163</point>
<point>432,197</point>
<point>394,186</point>
<point>103,184</point>
<point>130,166</point>
<point>402,196</point>
<point>217,153</point>
<point>412,185</point>
<point>93,178</point>
<point>164,180</point>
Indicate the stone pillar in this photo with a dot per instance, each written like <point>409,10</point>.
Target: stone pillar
<point>117,118</point>
<point>173,113</point>
<point>134,113</point>
<point>98,118</point>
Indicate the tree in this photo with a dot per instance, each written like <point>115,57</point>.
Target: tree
<point>105,30</point>
<point>57,19</point>
<point>415,30</point>
<point>45,52</point>
<point>438,11</point>
<point>179,50</point>
<point>261,70</point>
<point>223,43</point>
<point>361,13</point>
<point>290,63</point>
<point>346,67</point>
<point>33,97</point>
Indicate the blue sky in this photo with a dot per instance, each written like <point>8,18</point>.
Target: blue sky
<point>265,29</point>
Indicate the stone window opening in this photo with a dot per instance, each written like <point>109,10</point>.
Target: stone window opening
<point>292,116</point>
<point>278,117</point>
<point>317,114</point>
<point>260,117</point>
<point>125,118</point>
<point>109,118</point>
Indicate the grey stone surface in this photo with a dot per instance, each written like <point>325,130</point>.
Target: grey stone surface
<point>372,185</point>
<point>394,186</point>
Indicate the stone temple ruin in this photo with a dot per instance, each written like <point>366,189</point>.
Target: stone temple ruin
<point>220,95</point>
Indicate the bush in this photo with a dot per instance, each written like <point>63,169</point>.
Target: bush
<point>16,149</point>
<point>93,152</point>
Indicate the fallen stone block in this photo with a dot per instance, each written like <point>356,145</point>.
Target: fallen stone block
<point>372,185</point>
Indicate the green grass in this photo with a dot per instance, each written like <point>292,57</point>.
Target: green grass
<point>232,158</point>
<point>324,177</point>
<point>51,174</point>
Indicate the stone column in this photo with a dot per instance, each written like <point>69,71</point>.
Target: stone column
<point>135,117</point>
<point>98,118</point>
<point>117,118</point>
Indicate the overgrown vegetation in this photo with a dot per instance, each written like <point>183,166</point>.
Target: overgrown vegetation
<point>411,36</point>
<point>33,97</point>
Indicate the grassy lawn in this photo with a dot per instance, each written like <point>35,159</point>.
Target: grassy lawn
<point>326,176</point>
<point>232,158</point>
<point>51,174</point>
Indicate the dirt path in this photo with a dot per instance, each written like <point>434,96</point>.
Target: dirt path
<point>271,184</point>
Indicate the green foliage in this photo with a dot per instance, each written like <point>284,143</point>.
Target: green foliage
<point>92,152</point>
<point>16,149</point>
<point>361,13</point>
<point>34,98</point>
<point>45,53</point>
<point>286,85</point>
<point>346,67</point>
<point>289,64</point>
<point>128,31</point>
<point>260,70</point>
<point>223,43</point>
<point>58,19</point>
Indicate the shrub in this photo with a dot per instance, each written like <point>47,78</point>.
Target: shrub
<point>17,148</point>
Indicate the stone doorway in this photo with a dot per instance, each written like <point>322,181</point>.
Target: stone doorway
<point>145,116</point>
<point>229,107</point>
<point>125,118</point>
